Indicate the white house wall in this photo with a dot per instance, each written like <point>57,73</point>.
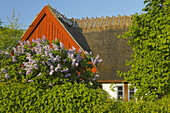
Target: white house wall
<point>106,87</point>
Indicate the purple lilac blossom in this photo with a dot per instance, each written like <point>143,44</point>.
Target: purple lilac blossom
<point>19,48</point>
<point>33,41</point>
<point>43,63</point>
<point>51,55</point>
<point>30,80</point>
<point>33,62</point>
<point>48,63</point>
<point>21,42</point>
<point>28,54</point>
<point>14,49</point>
<point>92,59</point>
<point>28,43</point>
<point>6,53</point>
<point>86,52</point>
<point>80,51</point>
<point>57,58</point>
<point>43,56</point>
<point>94,79</point>
<point>51,67</point>
<point>23,49</point>
<point>7,76</point>
<point>32,50</point>
<point>78,57</point>
<point>47,47</point>
<point>67,75</point>
<point>74,49</point>
<point>96,76</point>
<point>97,57</point>
<point>13,58</point>
<point>38,41</point>
<point>51,72</point>
<point>46,52</point>
<point>40,50</point>
<point>50,84</point>
<point>44,39</point>
<point>29,71</point>
<point>36,66</point>
<point>56,69</point>
<point>100,60</point>
<point>39,74</point>
<point>4,71</point>
<point>65,60</point>
<point>28,58</point>
<point>0,80</point>
<point>24,43</point>
<point>56,47</point>
<point>77,64</point>
<point>65,70</point>
<point>20,73</point>
<point>61,45</point>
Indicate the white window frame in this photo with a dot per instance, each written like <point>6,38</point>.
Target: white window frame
<point>129,91</point>
<point>117,85</point>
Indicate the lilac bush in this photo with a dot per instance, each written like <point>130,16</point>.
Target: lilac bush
<point>46,66</point>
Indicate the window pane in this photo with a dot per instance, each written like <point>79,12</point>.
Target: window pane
<point>131,89</point>
<point>120,93</point>
<point>131,98</point>
<point>131,93</point>
<point>120,88</point>
<point>120,97</point>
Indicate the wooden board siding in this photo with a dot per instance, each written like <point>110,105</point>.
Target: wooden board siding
<point>46,24</point>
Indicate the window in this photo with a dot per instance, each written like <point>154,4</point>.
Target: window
<point>120,92</point>
<point>131,92</point>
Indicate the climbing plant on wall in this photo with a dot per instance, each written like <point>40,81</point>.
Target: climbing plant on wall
<point>150,67</point>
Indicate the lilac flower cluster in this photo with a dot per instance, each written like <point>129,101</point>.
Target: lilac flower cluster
<point>39,58</point>
<point>96,60</point>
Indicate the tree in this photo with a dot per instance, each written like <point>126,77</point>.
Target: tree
<point>10,34</point>
<point>0,22</point>
<point>150,66</point>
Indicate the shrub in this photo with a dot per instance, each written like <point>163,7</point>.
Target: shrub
<point>150,62</point>
<point>45,66</point>
<point>16,97</point>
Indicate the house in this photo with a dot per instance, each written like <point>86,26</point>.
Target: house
<point>89,34</point>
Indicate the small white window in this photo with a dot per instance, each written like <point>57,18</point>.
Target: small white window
<point>120,92</point>
<point>131,93</point>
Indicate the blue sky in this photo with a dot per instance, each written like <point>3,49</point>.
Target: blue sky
<point>71,8</point>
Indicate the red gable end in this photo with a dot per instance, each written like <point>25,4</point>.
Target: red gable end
<point>50,26</point>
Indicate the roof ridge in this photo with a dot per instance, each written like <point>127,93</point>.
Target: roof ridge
<point>92,23</point>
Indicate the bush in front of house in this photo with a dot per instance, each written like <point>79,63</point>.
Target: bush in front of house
<point>43,66</point>
<point>158,106</point>
<point>16,97</point>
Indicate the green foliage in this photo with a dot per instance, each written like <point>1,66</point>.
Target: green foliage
<point>159,106</point>
<point>16,97</point>
<point>10,34</point>
<point>61,98</point>
<point>150,67</point>
<point>0,22</point>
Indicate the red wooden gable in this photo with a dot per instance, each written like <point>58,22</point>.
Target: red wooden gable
<point>47,24</point>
